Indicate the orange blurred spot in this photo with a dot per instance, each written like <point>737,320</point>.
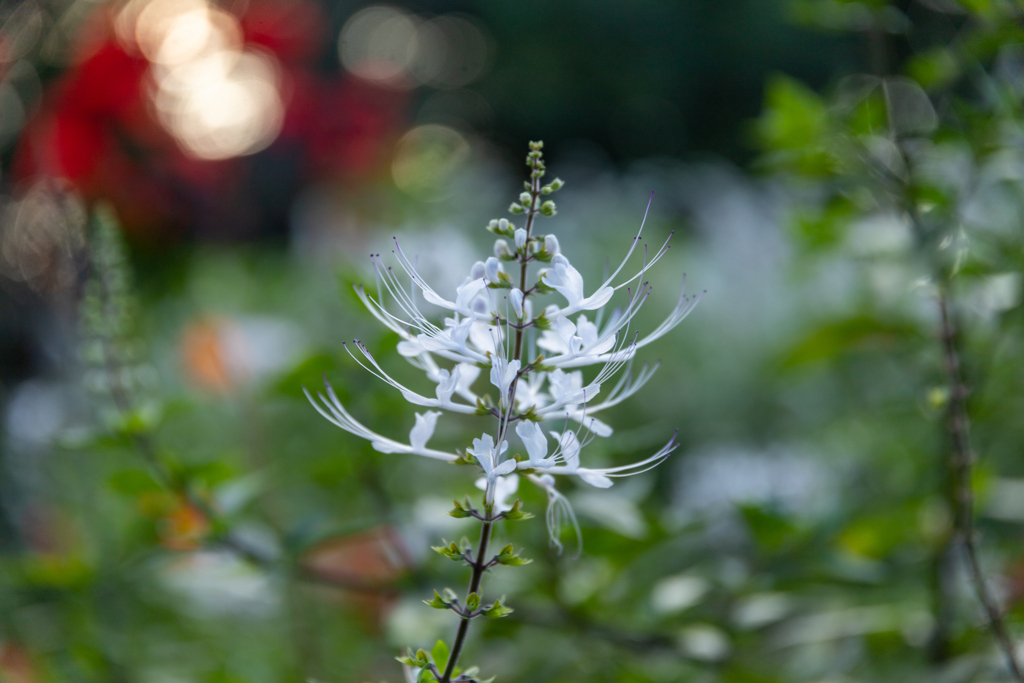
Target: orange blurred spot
<point>202,354</point>
<point>183,528</point>
<point>372,559</point>
<point>15,664</point>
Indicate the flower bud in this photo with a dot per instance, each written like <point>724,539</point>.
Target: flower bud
<point>493,225</point>
<point>551,244</point>
<point>491,268</point>
<point>525,198</point>
<point>548,208</point>
<point>515,297</point>
<point>554,186</point>
<point>520,238</point>
<point>516,208</point>
<point>501,249</point>
<point>477,271</point>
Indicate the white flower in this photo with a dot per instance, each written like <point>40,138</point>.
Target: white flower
<point>488,457</point>
<point>423,429</point>
<point>568,282</point>
<point>536,444</point>
<point>551,245</point>
<point>502,374</point>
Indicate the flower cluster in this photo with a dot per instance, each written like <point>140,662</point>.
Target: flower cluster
<point>533,358</point>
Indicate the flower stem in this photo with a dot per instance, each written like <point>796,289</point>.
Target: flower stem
<point>474,587</point>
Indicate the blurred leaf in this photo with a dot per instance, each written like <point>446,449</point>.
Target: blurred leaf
<point>770,530</point>
<point>134,482</point>
<point>934,69</point>
<point>860,332</point>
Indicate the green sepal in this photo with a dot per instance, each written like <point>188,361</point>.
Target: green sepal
<point>451,551</point>
<point>473,601</point>
<point>510,558</point>
<point>459,512</point>
<point>543,255</point>
<point>497,610</point>
<point>531,415</point>
<point>481,407</point>
<point>504,282</point>
<point>541,322</point>
<point>437,602</point>
<point>516,512</point>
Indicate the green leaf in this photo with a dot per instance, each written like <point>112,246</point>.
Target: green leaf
<point>133,482</point>
<point>440,654</point>
<point>859,333</point>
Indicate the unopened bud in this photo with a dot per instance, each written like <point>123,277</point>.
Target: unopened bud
<point>516,208</point>
<point>520,238</point>
<point>493,225</point>
<point>477,271</point>
<point>551,245</point>
<point>503,224</point>
<point>515,297</point>
<point>491,269</point>
<point>501,249</point>
<point>525,198</point>
<point>548,208</point>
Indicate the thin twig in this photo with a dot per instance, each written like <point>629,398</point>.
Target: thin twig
<point>961,462</point>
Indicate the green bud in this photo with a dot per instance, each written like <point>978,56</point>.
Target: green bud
<point>516,512</point>
<point>473,601</point>
<point>516,208</point>
<point>459,512</point>
<point>422,656</point>
<point>510,558</point>
<point>497,610</point>
<point>554,186</point>
<point>548,208</point>
<point>437,602</point>
<point>536,145</point>
<point>525,198</point>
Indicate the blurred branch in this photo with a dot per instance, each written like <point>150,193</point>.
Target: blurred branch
<point>962,494</point>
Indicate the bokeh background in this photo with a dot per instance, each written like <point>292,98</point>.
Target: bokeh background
<point>189,188</point>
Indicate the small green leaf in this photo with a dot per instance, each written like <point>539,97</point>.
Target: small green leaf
<point>440,655</point>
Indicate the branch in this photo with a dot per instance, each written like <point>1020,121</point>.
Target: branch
<point>960,463</point>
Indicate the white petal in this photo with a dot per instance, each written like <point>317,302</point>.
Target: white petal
<point>423,429</point>
<point>595,479</point>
